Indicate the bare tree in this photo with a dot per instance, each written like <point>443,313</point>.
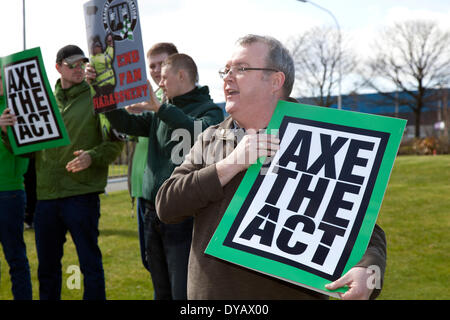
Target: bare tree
<point>411,57</point>
<point>316,54</point>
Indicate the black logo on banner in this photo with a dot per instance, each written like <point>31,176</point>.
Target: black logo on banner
<point>307,210</point>
<point>120,18</point>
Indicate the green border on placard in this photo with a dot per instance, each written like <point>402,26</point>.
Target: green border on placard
<point>393,126</point>
<point>63,139</point>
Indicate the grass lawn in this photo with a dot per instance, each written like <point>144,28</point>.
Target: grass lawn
<point>415,216</point>
<point>125,275</point>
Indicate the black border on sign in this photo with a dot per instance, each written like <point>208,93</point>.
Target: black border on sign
<point>55,120</point>
<point>384,137</point>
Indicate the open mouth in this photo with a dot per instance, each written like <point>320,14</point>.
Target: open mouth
<point>231,92</point>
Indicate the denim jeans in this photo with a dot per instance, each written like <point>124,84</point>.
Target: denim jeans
<point>168,247</point>
<point>80,216</point>
<point>140,209</point>
<point>12,212</point>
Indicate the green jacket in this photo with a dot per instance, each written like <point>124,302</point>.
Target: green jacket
<point>180,113</point>
<point>138,167</point>
<point>12,168</point>
<point>140,161</point>
<point>85,132</point>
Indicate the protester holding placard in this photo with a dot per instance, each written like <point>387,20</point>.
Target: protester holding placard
<point>12,212</point>
<point>259,74</point>
<point>136,168</point>
<point>69,180</point>
<point>186,105</point>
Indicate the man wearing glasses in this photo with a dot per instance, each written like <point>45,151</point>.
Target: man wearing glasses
<point>69,180</point>
<point>258,75</point>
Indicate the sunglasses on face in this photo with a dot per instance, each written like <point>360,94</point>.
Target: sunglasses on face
<point>71,66</point>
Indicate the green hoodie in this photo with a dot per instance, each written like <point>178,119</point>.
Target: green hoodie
<point>85,132</point>
<point>180,113</point>
<point>12,168</point>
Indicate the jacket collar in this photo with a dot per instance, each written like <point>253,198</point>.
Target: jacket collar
<point>63,95</point>
<point>227,130</point>
<point>198,94</point>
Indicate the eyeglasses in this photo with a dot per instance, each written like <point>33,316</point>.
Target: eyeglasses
<point>71,66</point>
<point>240,70</point>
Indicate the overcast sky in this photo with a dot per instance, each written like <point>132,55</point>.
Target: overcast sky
<point>207,29</point>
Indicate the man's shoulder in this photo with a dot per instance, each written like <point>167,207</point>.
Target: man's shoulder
<point>210,104</point>
<point>202,107</point>
<point>226,124</point>
<point>200,96</point>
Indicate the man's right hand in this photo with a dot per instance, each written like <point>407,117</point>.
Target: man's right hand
<point>252,146</point>
<point>91,75</point>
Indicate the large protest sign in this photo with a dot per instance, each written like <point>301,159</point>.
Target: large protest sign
<point>116,52</point>
<point>307,214</point>
<point>29,96</point>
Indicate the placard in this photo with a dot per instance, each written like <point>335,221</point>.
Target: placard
<point>116,53</point>
<point>307,215</point>
<point>29,96</point>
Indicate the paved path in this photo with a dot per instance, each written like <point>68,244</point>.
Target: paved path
<point>117,185</point>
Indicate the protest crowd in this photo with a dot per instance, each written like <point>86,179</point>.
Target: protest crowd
<point>181,191</point>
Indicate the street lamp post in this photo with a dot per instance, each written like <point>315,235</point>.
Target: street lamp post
<point>23,21</point>
<point>339,44</point>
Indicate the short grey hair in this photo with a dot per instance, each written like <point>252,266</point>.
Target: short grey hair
<point>278,58</point>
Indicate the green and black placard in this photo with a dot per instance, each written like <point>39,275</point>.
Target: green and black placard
<point>30,98</point>
<point>307,214</point>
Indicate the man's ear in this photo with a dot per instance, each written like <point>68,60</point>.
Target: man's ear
<point>58,67</point>
<point>181,75</point>
<point>278,79</point>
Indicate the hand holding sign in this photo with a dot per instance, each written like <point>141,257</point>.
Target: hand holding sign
<point>252,146</point>
<point>7,119</point>
<point>82,161</point>
<point>152,104</point>
<point>356,279</point>
<point>90,73</point>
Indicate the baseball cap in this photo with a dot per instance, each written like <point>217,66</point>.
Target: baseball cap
<point>71,54</point>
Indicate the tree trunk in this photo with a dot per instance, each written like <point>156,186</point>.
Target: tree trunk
<point>417,123</point>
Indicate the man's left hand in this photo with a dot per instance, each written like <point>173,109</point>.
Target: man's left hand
<point>81,162</point>
<point>152,104</point>
<point>7,119</point>
<point>356,279</point>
